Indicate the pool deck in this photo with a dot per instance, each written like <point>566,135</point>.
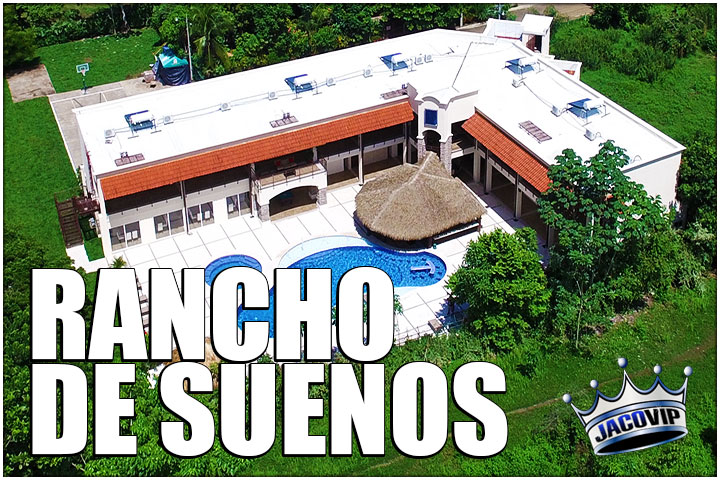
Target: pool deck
<point>269,241</point>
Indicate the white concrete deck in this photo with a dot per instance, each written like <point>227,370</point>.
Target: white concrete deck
<point>269,241</point>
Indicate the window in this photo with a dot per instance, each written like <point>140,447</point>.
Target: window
<point>431,118</point>
<point>117,238</point>
<point>162,226</point>
<point>194,217</point>
<point>207,213</point>
<point>176,221</point>
<point>125,236</point>
<point>233,206</point>
<point>132,234</point>
<point>199,215</point>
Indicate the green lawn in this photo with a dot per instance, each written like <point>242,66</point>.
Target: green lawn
<point>35,167</point>
<point>681,102</point>
<point>111,58</point>
<point>680,332</point>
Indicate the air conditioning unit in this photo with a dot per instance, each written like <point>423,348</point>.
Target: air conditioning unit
<point>225,107</point>
<point>109,133</point>
<point>517,82</point>
<point>594,103</point>
<point>330,81</point>
<point>557,111</point>
<point>272,95</point>
<point>591,132</point>
<point>367,72</point>
<point>419,60</point>
<point>167,119</point>
<point>428,58</point>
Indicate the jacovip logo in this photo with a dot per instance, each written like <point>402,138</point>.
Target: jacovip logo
<point>634,419</point>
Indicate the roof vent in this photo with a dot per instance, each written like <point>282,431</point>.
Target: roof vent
<point>591,132</point>
<point>428,58</point>
<point>168,119</point>
<point>225,106</point>
<point>109,133</point>
<point>367,72</point>
<point>272,95</point>
<point>330,81</point>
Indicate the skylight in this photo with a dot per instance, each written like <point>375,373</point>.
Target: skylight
<point>535,131</point>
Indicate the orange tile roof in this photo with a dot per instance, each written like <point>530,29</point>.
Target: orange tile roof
<point>253,151</point>
<point>515,156</point>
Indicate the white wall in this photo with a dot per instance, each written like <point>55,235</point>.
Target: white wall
<point>318,180</point>
<point>658,177</point>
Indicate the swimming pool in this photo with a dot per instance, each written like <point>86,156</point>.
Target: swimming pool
<point>223,263</point>
<point>405,270</point>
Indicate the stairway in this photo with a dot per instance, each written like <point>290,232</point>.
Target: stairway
<point>69,224</point>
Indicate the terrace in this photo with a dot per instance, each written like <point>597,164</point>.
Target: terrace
<point>425,309</point>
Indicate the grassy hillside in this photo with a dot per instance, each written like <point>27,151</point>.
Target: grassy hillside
<point>682,102</point>
<point>545,437</point>
<point>35,166</point>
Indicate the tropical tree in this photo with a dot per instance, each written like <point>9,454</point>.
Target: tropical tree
<point>18,44</point>
<point>697,181</point>
<point>503,283</point>
<point>211,23</point>
<point>600,216</point>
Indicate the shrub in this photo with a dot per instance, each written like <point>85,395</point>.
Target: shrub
<point>697,181</point>
<point>503,283</point>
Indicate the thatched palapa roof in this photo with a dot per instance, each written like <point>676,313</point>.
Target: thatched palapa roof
<point>415,202</point>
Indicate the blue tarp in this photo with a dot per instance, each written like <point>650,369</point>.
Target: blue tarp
<point>170,69</point>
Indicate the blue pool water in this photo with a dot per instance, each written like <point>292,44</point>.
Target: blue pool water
<point>396,264</point>
<point>223,263</point>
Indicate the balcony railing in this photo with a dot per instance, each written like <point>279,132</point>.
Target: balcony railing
<point>288,174</point>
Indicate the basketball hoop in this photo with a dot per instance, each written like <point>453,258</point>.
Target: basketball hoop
<point>83,68</point>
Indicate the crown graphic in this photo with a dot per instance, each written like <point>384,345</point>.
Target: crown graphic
<point>635,419</point>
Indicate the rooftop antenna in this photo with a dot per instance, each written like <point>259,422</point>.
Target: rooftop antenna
<point>461,64</point>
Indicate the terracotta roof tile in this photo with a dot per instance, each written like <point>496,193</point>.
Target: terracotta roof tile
<point>254,151</point>
<point>515,156</point>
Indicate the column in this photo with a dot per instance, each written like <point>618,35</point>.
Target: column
<point>405,143</point>
<point>252,194</point>
<point>322,196</point>
<point>477,164</point>
<point>264,212</point>
<point>446,153</point>
<point>361,175</point>
<point>488,172</point>
<point>518,198</point>
<point>184,200</point>
<point>420,147</point>
<point>315,155</point>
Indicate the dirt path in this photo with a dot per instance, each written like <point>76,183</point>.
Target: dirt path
<point>569,10</point>
<point>29,83</point>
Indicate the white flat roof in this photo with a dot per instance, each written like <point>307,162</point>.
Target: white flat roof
<point>199,124</point>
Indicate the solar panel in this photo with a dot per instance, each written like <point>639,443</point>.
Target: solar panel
<point>392,64</point>
<point>535,131</point>
<point>584,108</point>
<point>515,67</point>
<point>299,86</point>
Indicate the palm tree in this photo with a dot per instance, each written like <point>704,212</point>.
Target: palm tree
<point>210,24</point>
